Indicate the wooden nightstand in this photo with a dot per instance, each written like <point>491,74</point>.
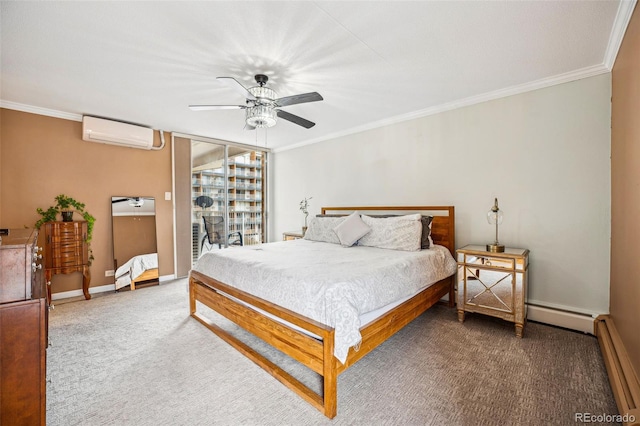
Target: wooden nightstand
<point>493,283</point>
<point>292,235</point>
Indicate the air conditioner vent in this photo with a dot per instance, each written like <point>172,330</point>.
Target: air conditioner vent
<point>116,133</point>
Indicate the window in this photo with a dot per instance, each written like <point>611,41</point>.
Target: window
<point>226,192</point>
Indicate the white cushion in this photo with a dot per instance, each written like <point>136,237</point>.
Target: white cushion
<point>351,230</point>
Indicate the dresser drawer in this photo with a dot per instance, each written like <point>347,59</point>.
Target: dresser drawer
<point>19,260</point>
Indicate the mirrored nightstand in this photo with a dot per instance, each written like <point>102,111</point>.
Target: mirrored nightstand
<point>493,283</point>
<point>292,235</point>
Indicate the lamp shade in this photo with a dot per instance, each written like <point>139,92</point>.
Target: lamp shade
<point>261,116</point>
<point>494,217</point>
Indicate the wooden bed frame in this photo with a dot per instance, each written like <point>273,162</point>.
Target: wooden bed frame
<point>318,355</point>
<point>148,275</point>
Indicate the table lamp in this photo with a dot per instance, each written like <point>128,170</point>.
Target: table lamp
<point>494,217</point>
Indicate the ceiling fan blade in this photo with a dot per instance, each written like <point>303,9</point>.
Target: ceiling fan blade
<point>210,107</point>
<point>295,119</point>
<point>298,99</point>
<point>235,85</point>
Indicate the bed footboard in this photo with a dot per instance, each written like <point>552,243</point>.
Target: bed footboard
<point>148,275</point>
<point>378,331</point>
<point>315,354</point>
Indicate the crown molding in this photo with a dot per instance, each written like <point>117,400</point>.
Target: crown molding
<point>40,111</point>
<point>472,100</point>
<point>620,23</point>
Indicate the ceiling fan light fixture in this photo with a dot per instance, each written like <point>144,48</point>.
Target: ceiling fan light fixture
<point>262,93</point>
<point>136,202</point>
<point>261,116</point>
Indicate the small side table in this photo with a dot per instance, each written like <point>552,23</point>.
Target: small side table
<point>292,235</point>
<point>493,283</point>
<point>65,251</point>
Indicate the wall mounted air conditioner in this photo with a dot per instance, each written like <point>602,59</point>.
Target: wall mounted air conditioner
<point>116,133</point>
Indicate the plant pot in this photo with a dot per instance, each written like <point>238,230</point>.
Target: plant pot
<point>67,216</point>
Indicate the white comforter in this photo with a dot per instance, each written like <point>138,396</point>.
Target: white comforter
<point>134,267</point>
<point>327,282</point>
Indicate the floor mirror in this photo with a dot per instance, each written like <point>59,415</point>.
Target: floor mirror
<point>135,254</point>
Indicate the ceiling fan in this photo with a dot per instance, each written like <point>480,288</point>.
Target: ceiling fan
<point>133,201</point>
<point>262,105</point>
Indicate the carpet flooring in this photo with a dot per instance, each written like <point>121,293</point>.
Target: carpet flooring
<point>137,358</point>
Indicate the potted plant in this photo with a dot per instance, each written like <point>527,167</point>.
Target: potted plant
<point>304,208</point>
<point>66,206</point>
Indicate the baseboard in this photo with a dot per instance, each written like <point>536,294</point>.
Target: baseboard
<point>571,320</point>
<point>624,382</point>
<point>99,289</point>
<point>78,292</point>
<point>164,278</point>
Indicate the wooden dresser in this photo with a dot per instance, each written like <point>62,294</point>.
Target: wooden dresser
<point>23,330</point>
<point>65,251</point>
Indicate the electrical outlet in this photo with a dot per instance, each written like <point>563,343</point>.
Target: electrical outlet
<point>109,273</point>
<point>167,196</point>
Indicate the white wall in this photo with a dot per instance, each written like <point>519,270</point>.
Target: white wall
<point>545,154</point>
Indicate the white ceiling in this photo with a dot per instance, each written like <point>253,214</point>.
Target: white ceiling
<point>374,62</point>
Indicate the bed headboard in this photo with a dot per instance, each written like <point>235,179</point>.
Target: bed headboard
<point>442,227</point>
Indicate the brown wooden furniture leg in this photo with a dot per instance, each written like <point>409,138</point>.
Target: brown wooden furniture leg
<point>460,315</point>
<point>86,280</point>
<point>519,330</point>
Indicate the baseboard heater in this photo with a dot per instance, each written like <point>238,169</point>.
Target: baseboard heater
<point>624,382</point>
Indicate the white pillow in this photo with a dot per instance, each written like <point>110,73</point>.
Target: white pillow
<point>351,230</point>
<point>321,229</point>
<point>394,233</point>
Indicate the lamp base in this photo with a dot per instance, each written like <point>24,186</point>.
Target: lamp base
<point>495,248</point>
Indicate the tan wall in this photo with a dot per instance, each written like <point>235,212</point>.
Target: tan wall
<point>44,156</point>
<point>133,236</point>
<point>1,132</point>
<point>625,192</point>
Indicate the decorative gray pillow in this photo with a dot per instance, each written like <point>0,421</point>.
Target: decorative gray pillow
<point>321,229</point>
<point>351,230</point>
<point>426,241</point>
<point>394,233</point>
